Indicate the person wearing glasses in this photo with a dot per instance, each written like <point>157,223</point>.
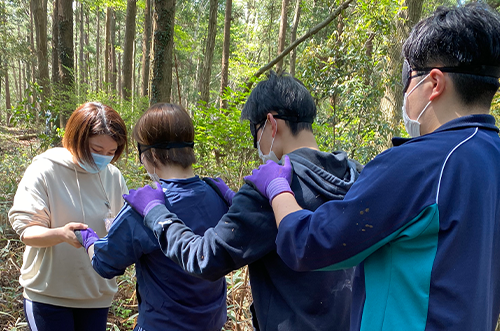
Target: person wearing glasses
<point>280,110</point>
<point>422,222</point>
<point>169,299</point>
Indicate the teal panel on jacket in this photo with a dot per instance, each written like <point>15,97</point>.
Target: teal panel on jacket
<point>397,275</point>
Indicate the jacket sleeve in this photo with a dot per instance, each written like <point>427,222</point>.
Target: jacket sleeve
<point>128,239</point>
<point>342,233</point>
<point>243,235</point>
<point>31,202</point>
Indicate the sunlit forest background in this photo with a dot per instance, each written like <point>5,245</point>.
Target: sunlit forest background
<point>205,55</point>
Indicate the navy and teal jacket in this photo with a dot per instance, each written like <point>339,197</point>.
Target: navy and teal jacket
<point>169,298</point>
<point>282,298</point>
<point>423,225</point>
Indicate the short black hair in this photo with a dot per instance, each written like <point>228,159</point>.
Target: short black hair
<point>465,36</point>
<point>285,95</point>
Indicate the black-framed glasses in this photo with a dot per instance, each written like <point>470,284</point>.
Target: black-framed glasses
<point>254,128</point>
<point>477,70</point>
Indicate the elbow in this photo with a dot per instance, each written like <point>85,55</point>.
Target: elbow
<point>108,274</point>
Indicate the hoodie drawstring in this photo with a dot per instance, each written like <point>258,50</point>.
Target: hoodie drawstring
<point>79,193</point>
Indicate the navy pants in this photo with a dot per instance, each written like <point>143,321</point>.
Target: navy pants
<point>45,317</point>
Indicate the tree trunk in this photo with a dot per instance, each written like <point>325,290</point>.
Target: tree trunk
<point>55,39</point>
<point>31,62</point>
<point>128,49</point>
<point>146,49</point>
<point>110,57</point>
<point>118,67</point>
<point>98,52</point>
<point>87,54</point>
<point>66,55</point>
<point>293,37</point>
<point>76,43</point>
<point>7,96</point>
<point>392,101</point>
<point>209,53</point>
<point>81,69</point>
<point>225,53</point>
<point>40,15</point>
<point>282,34</point>
<point>164,17</point>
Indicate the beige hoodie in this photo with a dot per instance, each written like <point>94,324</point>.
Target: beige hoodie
<point>53,192</point>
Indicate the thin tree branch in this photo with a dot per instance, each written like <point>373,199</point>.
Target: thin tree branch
<point>309,33</point>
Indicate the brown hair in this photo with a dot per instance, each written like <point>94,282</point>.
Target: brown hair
<point>91,119</point>
<point>166,123</point>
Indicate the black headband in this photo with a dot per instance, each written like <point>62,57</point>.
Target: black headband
<point>479,70</point>
<point>164,145</point>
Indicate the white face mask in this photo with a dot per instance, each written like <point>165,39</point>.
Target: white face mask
<point>271,155</point>
<point>413,126</point>
<point>154,176</point>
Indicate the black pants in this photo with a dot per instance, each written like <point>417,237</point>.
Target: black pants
<point>45,317</point>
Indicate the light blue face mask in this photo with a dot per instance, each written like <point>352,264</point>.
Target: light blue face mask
<point>101,162</point>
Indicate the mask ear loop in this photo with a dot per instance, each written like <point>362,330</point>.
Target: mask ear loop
<point>263,128</point>
<point>272,142</point>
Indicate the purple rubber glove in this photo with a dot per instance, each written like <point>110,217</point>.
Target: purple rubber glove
<point>145,198</point>
<point>86,237</point>
<point>272,179</point>
<point>224,190</point>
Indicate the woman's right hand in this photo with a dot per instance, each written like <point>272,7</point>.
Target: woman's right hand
<point>67,233</point>
<point>40,236</point>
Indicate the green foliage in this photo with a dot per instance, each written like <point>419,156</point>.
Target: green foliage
<point>223,143</point>
<point>344,73</point>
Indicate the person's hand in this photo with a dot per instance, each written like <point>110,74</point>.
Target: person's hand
<point>145,198</point>
<point>225,191</point>
<point>271,179</point>
<point>86,237</point>
<point>67,232</point>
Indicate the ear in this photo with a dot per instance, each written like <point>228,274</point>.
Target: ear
<point>274,124</point>
<point>439,82</point>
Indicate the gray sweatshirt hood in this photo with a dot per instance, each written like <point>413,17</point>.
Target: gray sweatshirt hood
<point>329,175</point>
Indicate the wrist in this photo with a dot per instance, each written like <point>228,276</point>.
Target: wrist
<point>277,186</point>
<point>90,241</point>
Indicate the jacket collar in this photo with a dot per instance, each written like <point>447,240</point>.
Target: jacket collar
<point>483,121</point>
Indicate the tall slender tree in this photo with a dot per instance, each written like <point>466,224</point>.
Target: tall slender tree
<point>209,53</point>
<point>293,36</point>
<point>282,33</point>
<point>164,19</point>
<point>55,41</point>
<point>39,8</point>
<point>98,71</point>
<point>146,49</point>
<point>225,53</point>
<point>110,56</point>
<point>81,60</point>
<point>128,49</point>
<point>65,49</point>
<point>391,103</point>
